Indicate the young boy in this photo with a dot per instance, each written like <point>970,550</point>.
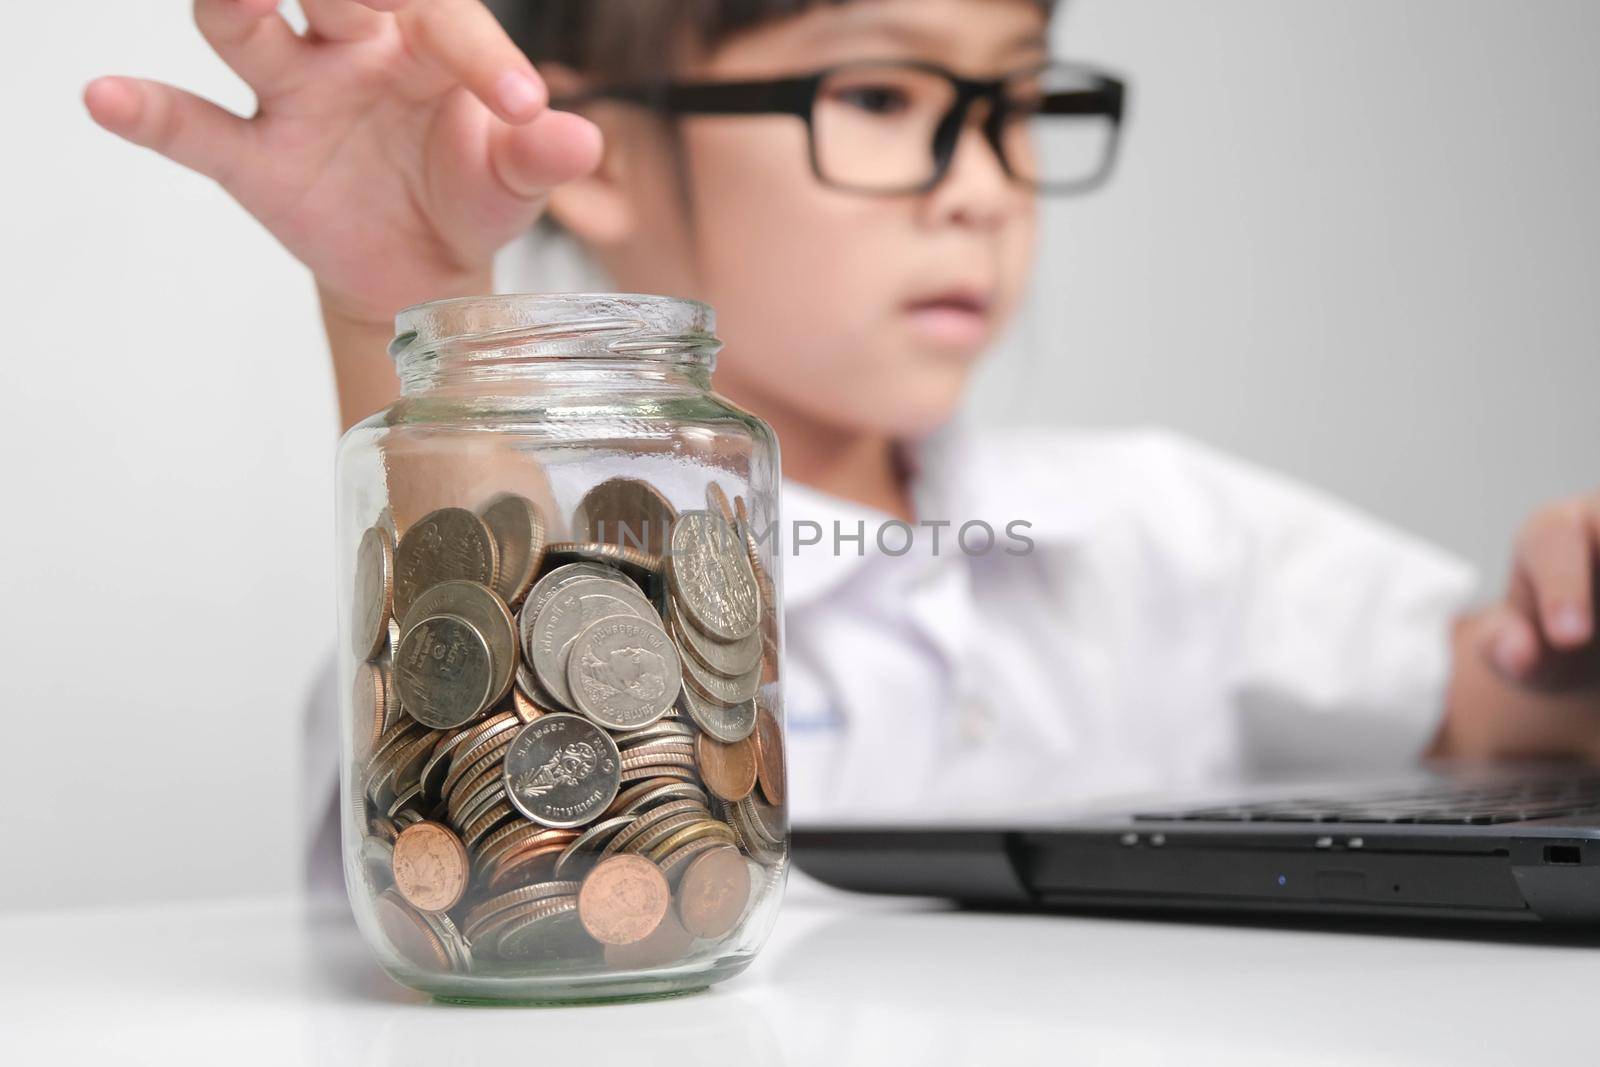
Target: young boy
<point>852,186</point>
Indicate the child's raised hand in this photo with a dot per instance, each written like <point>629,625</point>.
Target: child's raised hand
<point>1544,636</point>
<point>396,145</point>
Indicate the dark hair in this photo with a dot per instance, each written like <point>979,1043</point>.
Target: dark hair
<point>637,40</point>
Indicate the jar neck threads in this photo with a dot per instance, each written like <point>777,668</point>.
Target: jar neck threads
<point>489,340</point>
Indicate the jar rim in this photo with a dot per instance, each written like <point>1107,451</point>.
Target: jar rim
<point>560,325</point>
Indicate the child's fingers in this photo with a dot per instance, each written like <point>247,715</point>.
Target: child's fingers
<point>530,160</point>
<point>345,20</point>
<point>1509,643</point>
<point>1556,553</point>
<point>192,132</point>
<point>252,38</point>
<point>464,39</point>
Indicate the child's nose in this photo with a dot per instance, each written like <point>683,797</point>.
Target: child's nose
<point>976,188</point>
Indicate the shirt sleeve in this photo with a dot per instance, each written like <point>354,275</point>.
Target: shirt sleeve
<point>1333,636</point>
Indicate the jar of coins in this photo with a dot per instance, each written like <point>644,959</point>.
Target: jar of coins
<point>563,771</point>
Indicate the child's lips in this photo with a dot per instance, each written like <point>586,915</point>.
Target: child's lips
<point>955,320</point>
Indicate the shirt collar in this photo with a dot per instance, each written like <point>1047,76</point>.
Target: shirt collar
<point>957,475</point>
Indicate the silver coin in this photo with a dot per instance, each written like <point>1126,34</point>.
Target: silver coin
<point>626,512</point>
<point>528,685</point>
<point>488,614</point>
<point>623,672</point>
<point>377,863</point>
<point>443,545</point>
<point>717,688</point>
<point>548,586</point>
<point>374,593</point>
<point>550,932</point>
<point>444,672</point>
<point>666,729</point>
<point>566,614</point>
<point>728,658</point>
<point>591,840</point>
<point>724,723</point>
<point>710,574</point>
<point>562,770</point>
<point>518,531</point>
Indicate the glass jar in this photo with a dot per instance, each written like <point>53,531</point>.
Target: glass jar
<point>562,770</point>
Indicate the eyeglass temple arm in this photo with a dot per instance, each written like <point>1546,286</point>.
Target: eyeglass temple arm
<point>1106,99</point>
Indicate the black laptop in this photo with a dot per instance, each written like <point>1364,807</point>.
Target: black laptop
<point>1506,845</point>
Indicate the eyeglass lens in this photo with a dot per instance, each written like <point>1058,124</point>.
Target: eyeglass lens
<point>875,128</point>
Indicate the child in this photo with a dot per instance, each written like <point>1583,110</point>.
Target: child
<point>1179,613</point>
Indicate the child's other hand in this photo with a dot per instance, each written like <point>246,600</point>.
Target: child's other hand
<point>1544,636</point>
<point>395,146</point>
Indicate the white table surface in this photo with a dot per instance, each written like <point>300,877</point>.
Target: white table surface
<point>844,981</point>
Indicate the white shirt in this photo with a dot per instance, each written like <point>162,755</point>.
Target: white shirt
<point>1182,616</point>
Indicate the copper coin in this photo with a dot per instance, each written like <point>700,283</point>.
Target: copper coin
<point>625,512</point>
<point>623,900</point>
<point>713,893</point>
<point>669,943</point>
<point>729,770</point>
<point>430,866</point>
<point>408,933</point>
<point>717,500</point>
<point>769,757</point>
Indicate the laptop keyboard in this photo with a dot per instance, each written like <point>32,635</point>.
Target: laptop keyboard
<point>1480,805</point>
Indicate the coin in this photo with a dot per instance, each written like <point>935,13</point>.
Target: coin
<point>374,593</point>
<point>443,545</point>
<point>769,757</point>
<point>717,502</point>
<point>552,581</point>
<point>715,687</point>
<point>728,658</point>
<point>518,533</point>
<point>430,867</point>
<point>623,900</point>
<point>592,839</point>
<point>725,723</point>
<point>562,770</point>
<point>713,892</point>
<point>625,512</point>
<point>710,575</point>
<point>669,943</point>
<point>369,698</point>
<point>408,934</point>
<point>444,671</point>
<point>729,770</point>
<point>481,913</point>
<point>565,615</point>
<point>541,933</point>
<point>695,831</point>
<point>483,609</point>
<point>608,555</point>
<point>623,672</point>
<point>377,862</point>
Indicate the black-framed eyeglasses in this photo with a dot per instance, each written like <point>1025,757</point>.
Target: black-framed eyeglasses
<point>892,127</point>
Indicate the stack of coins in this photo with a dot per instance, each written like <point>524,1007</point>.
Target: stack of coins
<point>566,749</point>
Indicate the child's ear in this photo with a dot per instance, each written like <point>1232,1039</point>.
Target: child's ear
<point>594,208</point>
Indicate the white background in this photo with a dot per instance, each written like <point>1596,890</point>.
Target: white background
<point>1355,241</point>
